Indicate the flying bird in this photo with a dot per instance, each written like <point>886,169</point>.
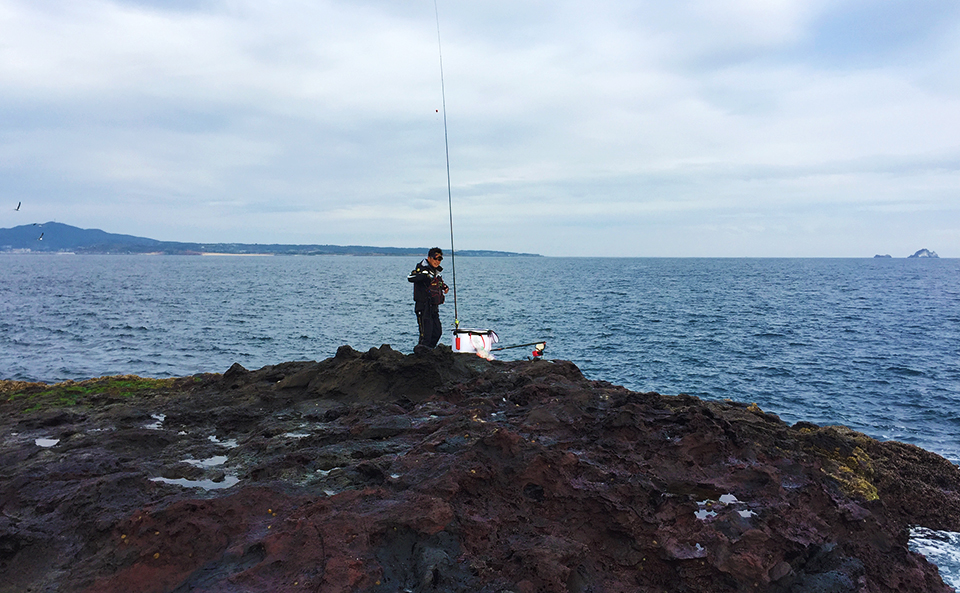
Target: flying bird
<point>40,238</point>
<point>17,209</point>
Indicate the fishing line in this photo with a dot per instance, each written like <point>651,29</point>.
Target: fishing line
<point>446,144</point>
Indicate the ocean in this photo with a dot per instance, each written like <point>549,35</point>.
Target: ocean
<point>873,344</point>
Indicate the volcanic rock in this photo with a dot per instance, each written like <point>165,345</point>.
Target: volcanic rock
<point>379,472</point>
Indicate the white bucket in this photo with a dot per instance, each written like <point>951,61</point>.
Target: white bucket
<point>474,341</point>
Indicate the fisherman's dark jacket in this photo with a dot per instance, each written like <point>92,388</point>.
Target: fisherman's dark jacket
<point>428,285</point>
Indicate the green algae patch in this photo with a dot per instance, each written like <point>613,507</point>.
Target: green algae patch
<point>852,478</point>
<point>843,460</point>
<point>33,397</point>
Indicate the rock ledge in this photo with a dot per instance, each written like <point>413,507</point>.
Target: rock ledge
<point>380,472</point>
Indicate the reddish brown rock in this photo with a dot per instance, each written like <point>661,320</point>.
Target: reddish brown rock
<point>382,472</point>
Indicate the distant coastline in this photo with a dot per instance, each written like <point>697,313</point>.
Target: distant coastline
<point>211,253</point>
<point>55,237</point>
<point>64,239</point>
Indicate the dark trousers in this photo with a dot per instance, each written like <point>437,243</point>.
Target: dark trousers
<point>428,319</point>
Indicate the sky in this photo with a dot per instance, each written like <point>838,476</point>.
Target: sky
<point>616,128</point>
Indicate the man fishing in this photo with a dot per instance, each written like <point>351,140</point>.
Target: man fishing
<point>428,294</point>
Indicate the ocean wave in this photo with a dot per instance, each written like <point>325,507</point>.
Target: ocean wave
<point>941,548</point>
<point>906,371</point>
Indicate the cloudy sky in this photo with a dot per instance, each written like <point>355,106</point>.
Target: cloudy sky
<point>611,127</point>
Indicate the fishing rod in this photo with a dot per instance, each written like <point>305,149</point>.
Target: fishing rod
<point>466,340</point>
<point>538,348</point>
<point>446,144</point>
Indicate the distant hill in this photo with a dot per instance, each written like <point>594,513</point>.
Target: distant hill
<point>57,237</point>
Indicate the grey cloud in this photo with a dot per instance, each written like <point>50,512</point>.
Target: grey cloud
<point>572,127</point>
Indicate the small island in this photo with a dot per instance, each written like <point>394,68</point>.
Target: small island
<point>924,253</point>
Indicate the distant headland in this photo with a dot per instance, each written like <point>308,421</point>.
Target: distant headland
<point>55,237</point>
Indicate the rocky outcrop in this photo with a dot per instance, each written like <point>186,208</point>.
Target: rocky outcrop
<point>382,472</point>
<point>924,253</point>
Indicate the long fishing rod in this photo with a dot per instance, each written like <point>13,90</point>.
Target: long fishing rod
<point>446,144</point>
<point>486,337</point>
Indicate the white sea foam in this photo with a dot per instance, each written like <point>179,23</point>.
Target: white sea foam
<point>941,548</point>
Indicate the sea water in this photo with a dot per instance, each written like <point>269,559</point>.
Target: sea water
<point>873,344</point>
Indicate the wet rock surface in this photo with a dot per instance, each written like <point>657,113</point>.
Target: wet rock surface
<point>382,472</point>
